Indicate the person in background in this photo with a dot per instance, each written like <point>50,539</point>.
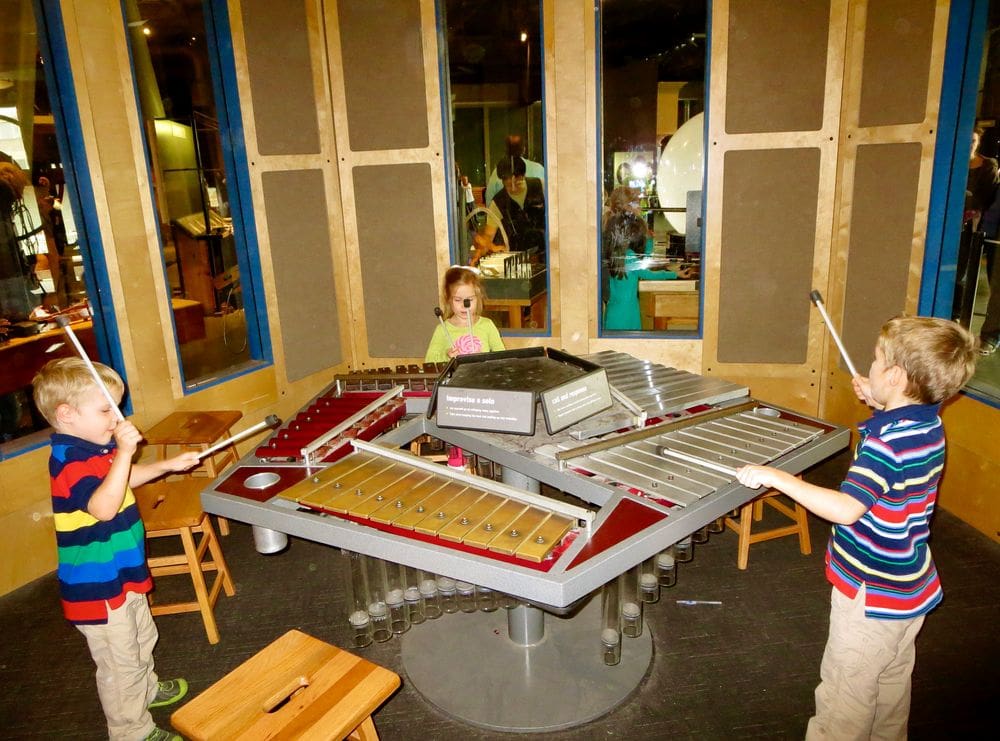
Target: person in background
<point>514,148</point>
<point>878,558</point>
<point>100,539</point>
<point>624,240</point>
<point>520,208</point>
<point>981,186</point>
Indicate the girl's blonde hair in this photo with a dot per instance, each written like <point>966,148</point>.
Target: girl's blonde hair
<point>938,356</point>
<point>458,275</point>
<point>67,381</point>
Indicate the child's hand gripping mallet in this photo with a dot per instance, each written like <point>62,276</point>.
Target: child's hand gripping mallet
<point>818,300</point>
<point>270,422</point>
<point>63,322</point>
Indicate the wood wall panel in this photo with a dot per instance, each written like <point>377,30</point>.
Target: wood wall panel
<point>383,68</point>
<point>769,206</point>
<point>281,78</point>
<point>897,61</point>
<point>396,245</point>
<point>883,209</point>
<point>305,294</point>
<point>776,70</point>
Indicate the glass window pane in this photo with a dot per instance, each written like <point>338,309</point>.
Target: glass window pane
<point>653,55</point>
<point>495,79</point>
<point>203,248</point>
<point>42,255</point>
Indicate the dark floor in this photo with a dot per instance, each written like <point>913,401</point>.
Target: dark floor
<point>745,669</point>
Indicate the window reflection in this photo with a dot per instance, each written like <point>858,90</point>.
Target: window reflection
<point>41,256</point>
<point>173,77</point>
<point>496,81</point>
<point>652,86</point>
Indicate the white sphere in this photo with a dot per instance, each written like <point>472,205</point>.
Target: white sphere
<point>681,169</point>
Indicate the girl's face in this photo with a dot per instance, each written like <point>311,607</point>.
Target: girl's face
<point>459,295</point>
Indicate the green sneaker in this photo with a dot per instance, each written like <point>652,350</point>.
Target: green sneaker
<point>167,693</point>
<point>158,734</point>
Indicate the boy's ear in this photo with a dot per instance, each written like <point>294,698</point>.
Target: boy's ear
<point>64,413</point>
<point>897,376</point>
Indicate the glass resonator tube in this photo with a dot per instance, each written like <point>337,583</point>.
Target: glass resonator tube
<point>411,595</point>
<point>429,593</point>
<point>357,599</point>
<point>700,536</point>
<point>666,568</point>
<point>684,550</point>
<point>378,610</point>
<point>649,584</point>
<point>486,599</point>
<point>395,598</point>
<point>448,593</point>
<point>631,603</point>
<point>466,596</point>
<point>611,632</point>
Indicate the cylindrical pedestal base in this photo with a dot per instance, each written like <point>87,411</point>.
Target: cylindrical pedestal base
<point>268,541</point>
<point>470,668</point>
<point>525,625</point>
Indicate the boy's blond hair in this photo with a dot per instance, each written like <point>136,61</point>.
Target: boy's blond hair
<point>939,356</point>
<point>67,381</point>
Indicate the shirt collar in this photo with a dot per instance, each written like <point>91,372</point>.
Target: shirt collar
<point>913,412</point>
<point>60,438</point>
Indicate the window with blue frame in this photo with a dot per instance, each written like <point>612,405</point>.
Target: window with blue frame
<point>185,85</point>
<point>652,67</point>
<point>49,248</point>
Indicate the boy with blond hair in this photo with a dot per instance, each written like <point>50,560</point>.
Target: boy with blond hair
<point>103,577</point>
<point>878,559</point>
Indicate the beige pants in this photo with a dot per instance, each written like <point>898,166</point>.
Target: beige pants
<point>126,682</point>
<point>864,690</point>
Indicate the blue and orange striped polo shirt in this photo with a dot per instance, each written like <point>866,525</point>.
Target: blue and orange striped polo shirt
<point>895,473</point>
<point>99,562</point>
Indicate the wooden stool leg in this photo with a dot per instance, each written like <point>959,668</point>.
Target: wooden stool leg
<point>217,558</point>
<point>746,518</point>
<point>802,518</point>
<point>365,732</point>
<point>200,589</point>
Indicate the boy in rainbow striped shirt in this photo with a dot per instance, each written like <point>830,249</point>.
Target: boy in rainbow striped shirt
<point>878,559</point>
<point>100,541</point>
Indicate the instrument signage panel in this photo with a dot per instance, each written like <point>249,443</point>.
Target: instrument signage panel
<point>576,400</point>
<point>492,410</point>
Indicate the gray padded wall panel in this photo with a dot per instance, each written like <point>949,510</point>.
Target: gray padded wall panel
<point>281,82</point>
<point>298,230</point>
<point>395,212</point>
<point>897,60</point>
<point>768,239</point>
<point>883,209</point>
<point>776,65</point>
<point>383,64</point>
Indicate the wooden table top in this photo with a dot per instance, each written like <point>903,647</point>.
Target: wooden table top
<point>332,692</point>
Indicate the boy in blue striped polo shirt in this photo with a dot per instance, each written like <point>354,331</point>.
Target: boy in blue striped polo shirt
<point>100,539</point>
<point>878,559</point>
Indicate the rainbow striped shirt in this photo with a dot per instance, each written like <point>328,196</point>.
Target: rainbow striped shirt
<point>99,562</point>
<point>895,473</point>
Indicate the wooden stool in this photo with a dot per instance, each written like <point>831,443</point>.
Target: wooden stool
<point>297,687</point>
<point>197,431</point>
<point>754,510</point>
<point>174,508</point>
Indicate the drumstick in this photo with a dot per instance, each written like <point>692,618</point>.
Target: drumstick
<point>271,421</point>
<point>468,314</point>
<point>63,322</point>
<point>818,300</point>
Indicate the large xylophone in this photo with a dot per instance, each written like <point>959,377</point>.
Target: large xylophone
<point>622,498</point>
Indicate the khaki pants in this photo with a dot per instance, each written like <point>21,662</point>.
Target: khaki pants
<point>123,652</point>
<point>864,690</point>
